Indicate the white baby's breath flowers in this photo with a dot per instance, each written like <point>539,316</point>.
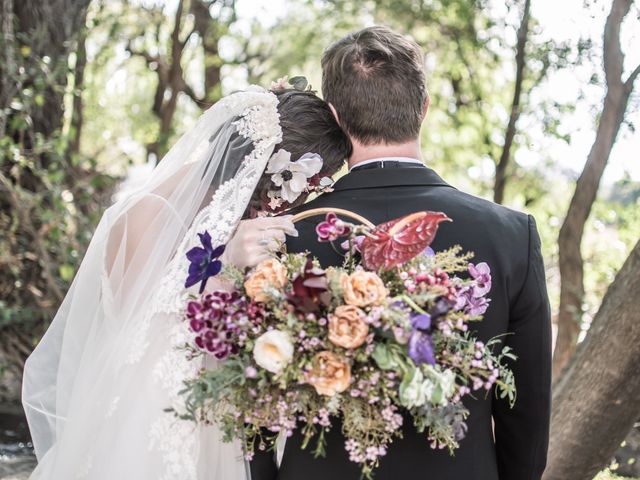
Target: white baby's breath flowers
<point>273,350</point>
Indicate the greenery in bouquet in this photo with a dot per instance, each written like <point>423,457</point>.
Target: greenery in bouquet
<point>381,340</point>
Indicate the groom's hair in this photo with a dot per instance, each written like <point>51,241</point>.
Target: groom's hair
<point>375,80</point>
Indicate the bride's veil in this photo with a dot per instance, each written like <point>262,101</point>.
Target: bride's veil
<point>97,386</point>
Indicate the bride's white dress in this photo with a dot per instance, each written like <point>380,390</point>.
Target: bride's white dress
<point>97,387</point>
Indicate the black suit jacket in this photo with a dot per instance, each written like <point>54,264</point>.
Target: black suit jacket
<point>508,241</point>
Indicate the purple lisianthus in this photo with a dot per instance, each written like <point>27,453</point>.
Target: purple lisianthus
<point>481,273</point>
<point>331,228</point>
<point>428,252</point>
<point>204,262</point>
<point>420,342</point>
<point>421,348</point>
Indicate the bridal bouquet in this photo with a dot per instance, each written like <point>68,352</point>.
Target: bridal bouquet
<point>381,340</point>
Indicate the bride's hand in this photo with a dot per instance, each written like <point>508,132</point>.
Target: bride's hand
<point>255,240</point>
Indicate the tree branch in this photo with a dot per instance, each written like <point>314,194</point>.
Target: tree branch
<point>628,85</point>
<point>613,58</point>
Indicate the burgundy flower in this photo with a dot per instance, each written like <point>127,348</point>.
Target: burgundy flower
<point>310,289</point>
<point>217,319</point>
<point>331,228</point>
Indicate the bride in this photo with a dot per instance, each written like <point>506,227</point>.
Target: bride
<point>101,390</point>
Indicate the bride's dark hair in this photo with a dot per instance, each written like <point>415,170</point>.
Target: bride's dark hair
<point>308,126</point>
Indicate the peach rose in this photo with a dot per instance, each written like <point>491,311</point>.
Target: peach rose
<point>330,374</point>
<point>363,289</point>
<point>268,273</point>
<point>347,327</point>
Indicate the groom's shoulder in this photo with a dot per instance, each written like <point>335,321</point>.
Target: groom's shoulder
<point>468,212</point>
<point>487,216</point>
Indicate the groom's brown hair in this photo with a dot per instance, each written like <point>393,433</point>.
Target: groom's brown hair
<point>374,78</point>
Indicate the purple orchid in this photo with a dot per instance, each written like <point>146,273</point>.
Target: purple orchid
<point>205,262</point>
<point>331,228</point>
<point>420,342</point>
<point>481,273</point>
<point>467,301</point>
<point>356,244</point>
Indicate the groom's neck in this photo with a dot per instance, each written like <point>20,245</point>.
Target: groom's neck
<point>362,153</point>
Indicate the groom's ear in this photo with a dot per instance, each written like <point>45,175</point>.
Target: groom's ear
<point>425,107</point>
<point>335,113</point>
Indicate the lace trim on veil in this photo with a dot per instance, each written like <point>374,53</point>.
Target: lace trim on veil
<point>176,439</point>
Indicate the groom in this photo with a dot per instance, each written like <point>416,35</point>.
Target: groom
<point>375,84</point>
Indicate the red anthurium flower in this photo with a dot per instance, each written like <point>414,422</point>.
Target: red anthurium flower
<point>400,240</point>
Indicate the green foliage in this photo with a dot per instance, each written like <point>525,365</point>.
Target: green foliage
<point>51,197</point>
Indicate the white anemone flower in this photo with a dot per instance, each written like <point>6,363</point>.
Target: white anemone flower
<point>292,177</point>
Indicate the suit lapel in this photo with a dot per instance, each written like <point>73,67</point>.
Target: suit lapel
<point>390,177</point>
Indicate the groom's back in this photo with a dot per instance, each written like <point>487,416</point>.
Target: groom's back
<point>509,243</point>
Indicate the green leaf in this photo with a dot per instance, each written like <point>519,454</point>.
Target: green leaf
<point>66,272</point>
<point>299,83</point>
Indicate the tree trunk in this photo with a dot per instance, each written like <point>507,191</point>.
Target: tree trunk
<point>77,112</point>
<point>36,39</point>
<point>210,32</point>
<point>501,168</point>
<point>51,28</point>
<point>570,238</point>
<point>595,403</point>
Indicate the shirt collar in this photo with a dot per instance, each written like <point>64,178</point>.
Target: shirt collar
<point>389,177</point>
<point>384,159</point>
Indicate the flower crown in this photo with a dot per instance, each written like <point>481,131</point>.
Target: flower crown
<point>293,178</point>
<point>299,83</point>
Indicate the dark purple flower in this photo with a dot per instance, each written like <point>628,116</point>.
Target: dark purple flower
<point>440,309</point>
<point>481,273</point>
<point>331,228</point>
<point>204,262</point>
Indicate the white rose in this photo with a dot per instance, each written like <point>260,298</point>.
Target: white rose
<point>273,350</point>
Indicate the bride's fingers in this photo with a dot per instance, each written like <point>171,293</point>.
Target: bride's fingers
<point>271,245</point>
<point>281,223</point>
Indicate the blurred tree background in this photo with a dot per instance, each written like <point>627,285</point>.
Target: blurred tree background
<point>93,92</point>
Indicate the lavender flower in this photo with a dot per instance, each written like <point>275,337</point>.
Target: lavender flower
<point>204,262</point>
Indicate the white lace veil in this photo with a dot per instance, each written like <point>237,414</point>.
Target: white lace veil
<point>96,387</point>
